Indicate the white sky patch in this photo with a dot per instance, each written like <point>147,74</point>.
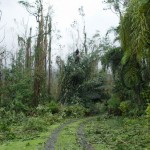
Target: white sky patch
<point>65,12</point>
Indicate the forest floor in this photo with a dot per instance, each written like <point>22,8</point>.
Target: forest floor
<point>70,136</point>
<point>92,133</point>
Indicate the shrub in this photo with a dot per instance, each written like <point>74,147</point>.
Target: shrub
<point>2,112</point>
<point>113,105</point>
<point>34,124</point>
<point>101,107</point>
<point>124,107</point>
<point>3,125</point>
<point>49,118</point>
<point>10,135</point>
<point>146,95</point>
<point>135,110</point>
<point>74,111</point>
<point>42,109</point>
<point>148,115</point>
<point>54,107</point>
<point>148,111</point>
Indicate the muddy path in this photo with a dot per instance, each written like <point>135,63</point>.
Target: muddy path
<point>80,136</point>
<point>50,144</point>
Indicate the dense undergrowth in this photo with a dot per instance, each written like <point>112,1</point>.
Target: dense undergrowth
<point>120,88</point>
<point>107,132</point>
<point>20,127</point>
<point>119,133</point>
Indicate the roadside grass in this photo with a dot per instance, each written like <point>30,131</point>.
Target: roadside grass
<point>67,139</point>
<point>104,133</point>
<point>30,143</point>
<point>18,131</point>
<point>118,133</point>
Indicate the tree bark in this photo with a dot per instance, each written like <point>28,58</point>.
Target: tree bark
<point>39,59</point>
<point>28,51</point>
<point>49,56</point>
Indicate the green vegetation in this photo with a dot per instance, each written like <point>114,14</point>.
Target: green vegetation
<point>29,133</point>
<point>67,139</point>
<point>101,78</point>
<point>32,132</point>
<point>28,141</point>
<point>35,142</point>
<point>118,133</point>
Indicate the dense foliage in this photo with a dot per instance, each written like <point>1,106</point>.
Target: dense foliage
<point>129,62</point>
<point>102,77</point>
<point>118,133</point>
<point>81,81</point>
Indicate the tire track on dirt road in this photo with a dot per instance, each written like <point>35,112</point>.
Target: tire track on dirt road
<point>50,144</point>
<point>81,136</point>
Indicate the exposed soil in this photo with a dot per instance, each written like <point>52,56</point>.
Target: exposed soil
<point>50,144</point>
<point>81,136</point>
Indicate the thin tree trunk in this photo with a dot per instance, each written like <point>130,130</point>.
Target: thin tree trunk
<point>28,51</point>
<point>49,56</point>
<point>45,49</point>
<point>39,60</point>
<point>85,37</point>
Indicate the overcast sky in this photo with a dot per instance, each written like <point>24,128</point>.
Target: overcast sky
<point>65,12</point>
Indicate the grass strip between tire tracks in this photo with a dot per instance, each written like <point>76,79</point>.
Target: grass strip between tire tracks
<point>81,136</point>
<point>50,144</point>
<point>70,136</point>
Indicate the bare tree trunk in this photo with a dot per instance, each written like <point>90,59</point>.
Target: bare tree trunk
<point>39,59</point>
<point>81,11</point>
<point>45,43</point>
<point>49,56</point>
<point>28,51</point>
<point>85,37</point>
